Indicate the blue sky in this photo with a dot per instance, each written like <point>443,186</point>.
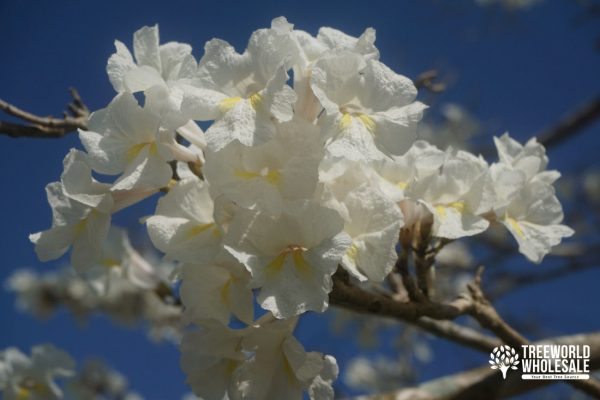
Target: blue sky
<point>516,72</point>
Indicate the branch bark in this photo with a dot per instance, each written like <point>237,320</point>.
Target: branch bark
<point>571,124</point>
<point>487,316</point>
<point>45,127</point>
<point>476,305</point>
<point>355,299</point>
<point>485,383</point>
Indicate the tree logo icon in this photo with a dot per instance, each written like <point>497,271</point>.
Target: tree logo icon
<point>504,358</point>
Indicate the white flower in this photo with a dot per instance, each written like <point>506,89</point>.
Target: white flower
<point>119,260</point>
<point>286,167</point>
<point>126,138</point>
<point>398,172</point>
<point>164,72</point>
<point>216,291</point>
<point>531,158</point>
<point>81,216</point>
<point>340,176</point>
<point>329,40</point>
<point>183,226</point>
<point>24,378</point>
<point>291,257</point>
<point>209,358</point>
<point>364,45</point>
<point>310,49</point>
<point>371,218</point>
<point>370,110</point>
<point>533,217</point>
<point>280,368</point>
<point>195,135</point>
<point>79,184</point>
<point>525,200</point>
<point>95,377</point>
<point>457,195</point>
<point>374,228</point>
<point>243,92</point>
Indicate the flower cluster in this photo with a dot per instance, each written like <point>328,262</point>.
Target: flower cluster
<point>123,302</point>
<point>34,377</point>
<point>293,177</point>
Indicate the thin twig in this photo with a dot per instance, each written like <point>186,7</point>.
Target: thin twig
<point>485,383</point>
<point>571,124</point>
<point>487,316</point>
<point>45,127</point>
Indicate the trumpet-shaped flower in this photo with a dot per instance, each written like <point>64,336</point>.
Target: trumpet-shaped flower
<point>127,139</point>
<point>371,218</point>
<point>457,195</point>
<point>183,226</point>
<point>526,205</point>
<point>292,256</point>
<point>533,217</point>
<point>244,92</point>
<point>216,291</point>
<point>310,49</point>
<point>281,368</point>
<point>328,40</point>
<point>370,110</point>
<point>210,357</point>
<point>524,197</point>
<point>79,184</point>
<point>32,378</point>
<point>337,40</point>
<point>286,167</point>
<point>530,158</point>
<point>164,72</point>
<point>119,260</point>
<point>338,177</point>
<point>374,227</point>
<point>81,216</point>
<point>399,172</point>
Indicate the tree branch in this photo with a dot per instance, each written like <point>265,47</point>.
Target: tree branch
<point>459,334</point>
<point>45,127</point>
<point>571,124</point>
<point>485,383</point>
<point>487,316</point>
<point>355,299</point>
<point>346,295</point>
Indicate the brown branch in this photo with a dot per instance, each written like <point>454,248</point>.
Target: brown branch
<point>45,127</point>
<point>571,124</point>
<point>346,295</point>
<point>485,383</point>
<point>355,299</point>
<point>487,316</point>
<point>564,129</point>
<point>401,266</point>
<point>459,334</point>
